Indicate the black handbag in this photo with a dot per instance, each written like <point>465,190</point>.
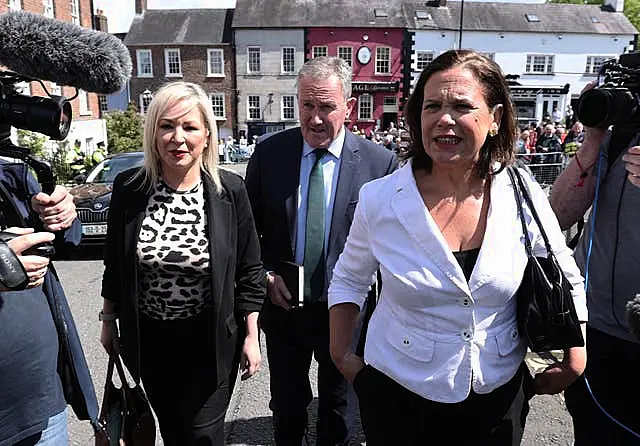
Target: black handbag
<point>125,415</point>
<point>546,314</point>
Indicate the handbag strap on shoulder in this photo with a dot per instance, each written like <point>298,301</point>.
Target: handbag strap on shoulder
<point>518,197</point>
<point>527,197</point>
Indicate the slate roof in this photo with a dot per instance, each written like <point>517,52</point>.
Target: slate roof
<point>478,16</point>
<point>511,17</point>
<point>180,27</point>
<point>318,13</point>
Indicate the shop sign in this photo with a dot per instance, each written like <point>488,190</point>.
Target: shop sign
<point>374,87</point>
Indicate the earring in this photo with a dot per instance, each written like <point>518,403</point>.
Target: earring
<point>493,129</point>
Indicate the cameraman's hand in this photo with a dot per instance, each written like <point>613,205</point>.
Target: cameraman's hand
<point>35,266</point>
<point>57,211</point>
<point>632,164</point>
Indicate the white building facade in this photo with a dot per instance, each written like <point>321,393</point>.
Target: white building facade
<point>546,67</point>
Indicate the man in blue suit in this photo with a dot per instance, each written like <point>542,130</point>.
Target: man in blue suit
<point>303,184</point>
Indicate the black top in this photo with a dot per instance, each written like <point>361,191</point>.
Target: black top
<point>467,260</point>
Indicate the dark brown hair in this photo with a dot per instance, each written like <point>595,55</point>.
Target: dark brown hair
<point>495,149</point>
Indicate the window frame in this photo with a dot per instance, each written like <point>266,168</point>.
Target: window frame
<point>379,59</point>
<point>259,70</point>
<point>428,53</point>
<point>75,11</point>
<point>292,108</point>
<point>589,67</point>
<point>210,52</point>
<point>48,9</point>
<point>549,62</point>
<point>293,60</point>
<point>167,63</point>
<point>84,105</point>
<point>219,95</point>
<point>254,107</point>
<point>361,105</point>
<point>324,48</point>
<point>139,52</point>
<point>344,47</point>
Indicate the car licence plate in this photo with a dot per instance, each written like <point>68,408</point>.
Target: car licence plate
<point>94,229</point>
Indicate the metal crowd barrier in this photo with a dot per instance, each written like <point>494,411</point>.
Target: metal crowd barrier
<point>545,167</point>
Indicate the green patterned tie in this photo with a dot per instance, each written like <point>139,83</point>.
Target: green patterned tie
<point>314,232</point>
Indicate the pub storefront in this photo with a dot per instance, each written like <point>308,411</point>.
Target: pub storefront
<point>377,105</point>
<point>536,103</point>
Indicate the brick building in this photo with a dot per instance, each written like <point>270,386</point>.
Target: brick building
<point>193,45</point>
<point>87,127</point>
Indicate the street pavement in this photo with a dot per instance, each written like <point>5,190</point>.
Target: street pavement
<point>248,420</point>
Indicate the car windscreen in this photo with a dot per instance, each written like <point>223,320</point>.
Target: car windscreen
<point>108,170</point>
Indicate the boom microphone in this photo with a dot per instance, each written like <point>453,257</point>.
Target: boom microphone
<point>66,54</point>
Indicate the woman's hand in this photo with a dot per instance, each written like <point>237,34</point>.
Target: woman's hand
<point>109,337</point>
<point>557,377</point>
<point>251,357</point>
<point>349,365</point>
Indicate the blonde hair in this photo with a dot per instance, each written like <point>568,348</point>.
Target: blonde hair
<point>165,98</point>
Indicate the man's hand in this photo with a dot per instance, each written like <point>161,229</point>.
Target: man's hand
<point>349,365</point>
<point>632,164</point>
<point>57,211</point>
<point>35,266</point>
<point>277,291</point>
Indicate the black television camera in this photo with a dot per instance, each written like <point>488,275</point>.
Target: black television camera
<point>616,98</point>
<point>50,116</point>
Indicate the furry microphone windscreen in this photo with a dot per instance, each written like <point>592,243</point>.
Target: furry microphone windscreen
<point>64,53</point>
<point>633,315</point>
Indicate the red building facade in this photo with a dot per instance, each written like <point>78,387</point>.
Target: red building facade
<point>376,56</point>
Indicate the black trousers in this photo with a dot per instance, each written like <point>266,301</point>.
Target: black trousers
<point>178,374</point>
<point>289,350</point>
<point>392,414</point>
<point>613,366</point>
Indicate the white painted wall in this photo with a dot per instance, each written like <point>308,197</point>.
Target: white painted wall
<point>511,50</point>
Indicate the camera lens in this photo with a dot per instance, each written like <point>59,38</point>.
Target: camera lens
<point>601,107</point>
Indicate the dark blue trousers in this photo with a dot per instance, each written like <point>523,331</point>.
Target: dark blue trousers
<point>290,348</point>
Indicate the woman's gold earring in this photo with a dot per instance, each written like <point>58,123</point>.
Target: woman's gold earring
<point>493,129</point>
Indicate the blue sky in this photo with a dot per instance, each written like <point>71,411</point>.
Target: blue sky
<point>120,12</point>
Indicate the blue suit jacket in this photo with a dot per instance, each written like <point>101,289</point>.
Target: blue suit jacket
<point>273,178</point>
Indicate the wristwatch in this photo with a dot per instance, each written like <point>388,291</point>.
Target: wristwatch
<point>107,317</point>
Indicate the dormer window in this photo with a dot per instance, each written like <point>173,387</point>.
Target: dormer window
<point>380,13</point>
<point>595,20</point>
<point>532,18</point>
<point>423,15</point>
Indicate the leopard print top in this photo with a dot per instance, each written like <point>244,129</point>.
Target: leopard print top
<point>173,254</point>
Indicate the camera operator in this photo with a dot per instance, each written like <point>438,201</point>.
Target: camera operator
<point>613,278</point>
<point>33,369</point>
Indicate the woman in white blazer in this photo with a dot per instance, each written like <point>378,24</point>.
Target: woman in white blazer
<point>444,363</point>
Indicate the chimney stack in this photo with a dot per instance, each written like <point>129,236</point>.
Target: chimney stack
<point>141,6</point>
<point>614,5</point>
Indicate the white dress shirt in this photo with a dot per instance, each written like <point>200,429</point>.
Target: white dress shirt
<point>330,164</point>
<point>432,331</point>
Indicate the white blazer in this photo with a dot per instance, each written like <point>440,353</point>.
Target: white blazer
<point>432,331</point>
